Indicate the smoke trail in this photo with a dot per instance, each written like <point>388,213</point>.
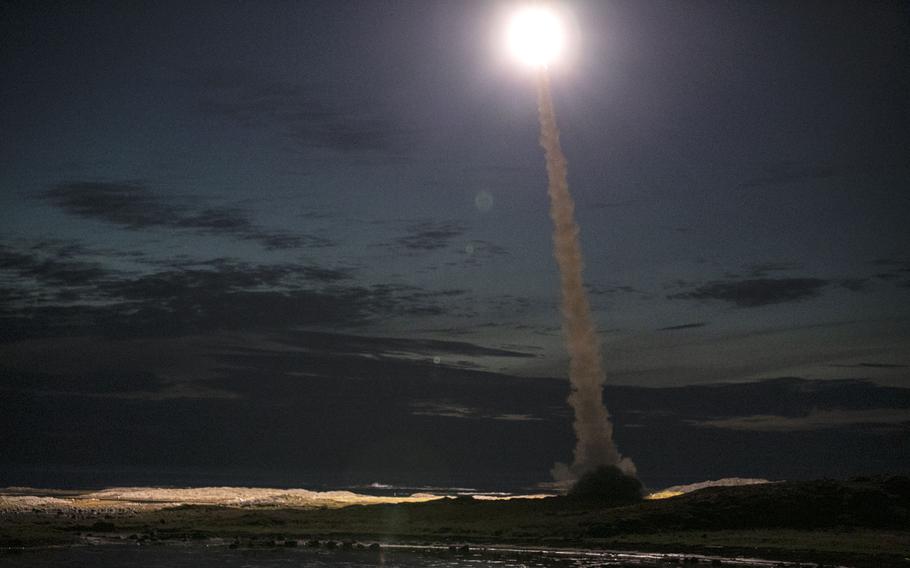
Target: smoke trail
<point>594,431</point>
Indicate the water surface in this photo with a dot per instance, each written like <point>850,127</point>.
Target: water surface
<point>204,556</point>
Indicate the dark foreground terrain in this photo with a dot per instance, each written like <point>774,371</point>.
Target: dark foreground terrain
<point>862,522</point>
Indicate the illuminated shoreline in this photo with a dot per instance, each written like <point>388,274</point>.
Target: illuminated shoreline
<point>125,499</point>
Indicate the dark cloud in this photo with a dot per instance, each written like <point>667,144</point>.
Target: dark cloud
<point>854,284</point>
<point>167,392</point>
<point>134,206</point>
<point>886,276</point>
<point>406,300</point>
<point>158,392</point>
<point>69,249</point>
<point>683,326</point>
<point>757,292</point>
<point>678,284</point>
<point>308,116</point>
<point>895,269</point>
<point>280,241</point>
<point>10,294</point>
<point>611,290</point>
<point>183,296</point>
<point>218,220</point>
<point>901,263</point>
<point>430,236</point>
<point>129,205</point>
<point>326,275</point>
<point>872,366</point>
<point>514,305</point>
<point>201,297</point>
<point>814,420</point>
<point>220,278</point>
<point>476,253</point>
<point>448,409</point>
<point>478,249</point>
<point>52,270</point>
<point>164,308</point>
<point>605,297</point>
<point>243,296</point>
<point>338,343</point>
<point>762,269</point>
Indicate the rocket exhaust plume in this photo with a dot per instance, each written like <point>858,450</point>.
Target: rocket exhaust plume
<point>593,430</point>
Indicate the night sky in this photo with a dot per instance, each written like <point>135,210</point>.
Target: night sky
<point>308,242</point>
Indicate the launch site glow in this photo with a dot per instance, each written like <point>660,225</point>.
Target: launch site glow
<point>536,36</point>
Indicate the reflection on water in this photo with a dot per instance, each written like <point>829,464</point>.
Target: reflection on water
<point>201,556</point>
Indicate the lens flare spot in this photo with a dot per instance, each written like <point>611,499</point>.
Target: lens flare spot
<point>483,201</point>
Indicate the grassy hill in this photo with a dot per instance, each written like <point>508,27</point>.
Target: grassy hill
<point>858,522</point>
